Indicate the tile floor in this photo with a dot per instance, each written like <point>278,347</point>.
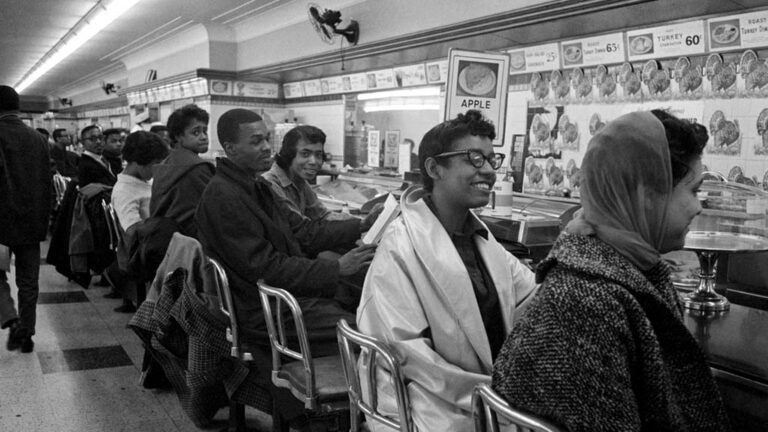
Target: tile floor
<point>84,372</point>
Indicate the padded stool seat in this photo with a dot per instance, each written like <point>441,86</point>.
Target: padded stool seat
<point>329,378</point>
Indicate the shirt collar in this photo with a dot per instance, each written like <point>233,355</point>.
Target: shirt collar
<point>92,155</point>
<point>471,226</point>
<point>280,175</point>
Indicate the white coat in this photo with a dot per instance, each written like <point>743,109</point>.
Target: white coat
<point>418,298</point>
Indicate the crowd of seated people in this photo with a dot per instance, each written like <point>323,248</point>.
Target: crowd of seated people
<point>593,340</point>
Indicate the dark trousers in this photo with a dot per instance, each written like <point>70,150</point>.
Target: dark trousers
<point>27,274</point>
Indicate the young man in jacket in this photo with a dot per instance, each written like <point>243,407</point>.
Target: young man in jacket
<point>25,204</point>
<point>441,291</point>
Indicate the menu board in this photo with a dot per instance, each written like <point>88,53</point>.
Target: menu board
<point>333,85</point>
<point>385,78</point>
<point>604,49</point>
<point>666,41</point>
<point>293,90</point>
<point>437,72</point>
<point>410,75</point>
<point>738,31</point>
<point>534,59</point>
<point>312,88</point>
<point>255,89</point>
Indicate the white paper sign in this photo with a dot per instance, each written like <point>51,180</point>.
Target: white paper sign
<point>312,88</point>
<point>534,59</point>
<point>604,49</point>
<point>293,90</point>
<point>666,41</point>
<point>478,80</point>
<point>738,31</point>
<point>410,75</point>
<point>437,72</point>
<point>385,79</point>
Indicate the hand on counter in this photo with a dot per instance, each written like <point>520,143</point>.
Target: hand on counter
<point>356,259</point>
<point>369,220</point>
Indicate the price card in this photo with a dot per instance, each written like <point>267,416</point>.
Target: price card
<point>359,82</point>
<point>604,49</point>
<point>410,75</point>
<point>312,88</point>
<point>666,41</point>
<point>385,79</point>
<point>333,85</point>
<point>534,59</point>
<point>293,90</point>
<point>437,72</point>
<point>738,31</point>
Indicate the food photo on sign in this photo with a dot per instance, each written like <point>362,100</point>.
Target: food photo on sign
<point>477,79</point>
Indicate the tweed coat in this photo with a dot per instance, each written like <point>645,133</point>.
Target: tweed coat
<point>603,348</point>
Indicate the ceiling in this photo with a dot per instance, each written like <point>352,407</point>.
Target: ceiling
<point>28,29</point>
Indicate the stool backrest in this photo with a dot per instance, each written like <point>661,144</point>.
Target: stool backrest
<point>60,186</point>
<point>278,337</point>
<point>488,406</point>
<point>113,225</point>
<point>375,352</point>
<point>227,307</point>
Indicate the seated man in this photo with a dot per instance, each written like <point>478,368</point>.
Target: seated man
<point>297,163</point>
<point>182,177</point>
<point>441,291</point>
<point>130,199</point>
<point>243,225</point>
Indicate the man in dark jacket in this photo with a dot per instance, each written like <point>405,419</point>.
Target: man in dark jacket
<point>242,224</point>
<point>180,180</point>
<point>114,140</point>
<point>66,161</point>
<point>25,205</point>
<point>93,168</point>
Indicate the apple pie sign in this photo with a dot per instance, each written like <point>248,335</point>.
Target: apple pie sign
<point>478,80</point>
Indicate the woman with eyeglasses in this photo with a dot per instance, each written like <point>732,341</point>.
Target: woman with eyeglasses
<point>441,291</point>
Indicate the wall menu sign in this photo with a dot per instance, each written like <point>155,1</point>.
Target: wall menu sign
<point>410,75</point>
<point>738,31</point>
<point>603,49</point>
<point>478,80</point>
<point>672,40</point>
<point>540,58</point>
<point>293,90</point>
<point>437,71</point>
<point>312,88</point>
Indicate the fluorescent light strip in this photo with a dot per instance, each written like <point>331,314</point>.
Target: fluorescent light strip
<point>403,107</point>
<point>78,37</point>
<point>421,91</point>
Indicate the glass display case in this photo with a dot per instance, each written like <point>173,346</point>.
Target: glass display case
<point>733,220</point>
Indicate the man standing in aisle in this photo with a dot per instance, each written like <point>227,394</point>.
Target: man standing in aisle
<point>25,201</point>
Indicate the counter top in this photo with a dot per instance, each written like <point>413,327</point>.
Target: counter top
<point>736,341</point>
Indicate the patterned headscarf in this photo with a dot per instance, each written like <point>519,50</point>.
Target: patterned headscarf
<point>626,186</point>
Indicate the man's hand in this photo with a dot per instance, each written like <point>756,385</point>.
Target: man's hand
<point>356,259</point>
<point>369,220</point>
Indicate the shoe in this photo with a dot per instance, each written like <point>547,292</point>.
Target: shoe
<point>126,308</point>
<point>27,345</point>
<point>112,295</point>
<point>14,339</point>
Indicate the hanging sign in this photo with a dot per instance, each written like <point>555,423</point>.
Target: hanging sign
<point>293,90</point>
<point>478,80</point>
<point>738,31</point>
<point>666,41</point>
<point>413,75</point>
<point>312,88</point>
<point>603,49</point>
<point>534,59</point>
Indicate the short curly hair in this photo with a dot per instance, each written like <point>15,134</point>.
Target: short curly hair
<point>182,117</point>
<point>287,153</point>
<point>686,142</point>
<point>144,148</point>
<point>442,137</point>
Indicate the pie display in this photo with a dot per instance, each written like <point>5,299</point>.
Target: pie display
<point>725,33</point>
<point>477,79</point>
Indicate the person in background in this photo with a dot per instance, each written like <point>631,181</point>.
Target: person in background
<point>114,140</point>
<point>296,165</point>
<point>46,134</point>
<point>66,161</point>
<point>93,168</point>
<point>132,191</point>
<point>441,291</point>
<point>180,180</point>
<point>25,206</point>
<point>162,131</point>
<point>414,155</point>
<point>603,346</point>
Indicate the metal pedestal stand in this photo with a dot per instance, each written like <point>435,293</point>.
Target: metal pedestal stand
<point>704,297</point>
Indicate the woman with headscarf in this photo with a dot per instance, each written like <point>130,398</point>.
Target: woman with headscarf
<point>603,346</point>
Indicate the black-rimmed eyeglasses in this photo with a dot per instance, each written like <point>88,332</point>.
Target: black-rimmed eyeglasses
<point>476,157</point>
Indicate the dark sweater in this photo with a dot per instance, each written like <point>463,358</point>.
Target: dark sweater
<point>603,348</point>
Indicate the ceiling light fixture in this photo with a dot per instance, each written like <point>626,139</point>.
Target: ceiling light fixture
<point>421,91</point>
<point>92,23</point>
